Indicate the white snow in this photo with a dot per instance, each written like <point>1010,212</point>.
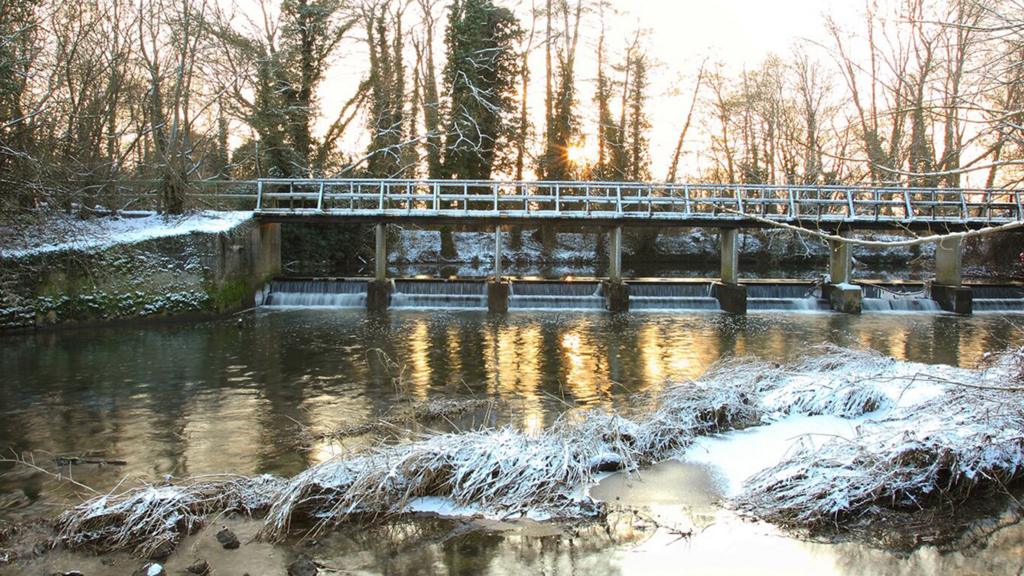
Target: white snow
<point>736,456</point>
<point>74,234</point>
<point>154,570</point>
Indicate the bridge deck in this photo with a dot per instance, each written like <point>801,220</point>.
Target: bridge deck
<point>634,204</point>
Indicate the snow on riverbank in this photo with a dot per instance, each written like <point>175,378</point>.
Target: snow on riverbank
<point>68,233</point>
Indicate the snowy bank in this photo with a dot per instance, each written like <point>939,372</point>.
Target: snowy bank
<point>68,233</point>
<point>72,271</point>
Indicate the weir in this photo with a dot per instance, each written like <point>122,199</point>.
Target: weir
<point>646,295</point>
<point>612,206</point>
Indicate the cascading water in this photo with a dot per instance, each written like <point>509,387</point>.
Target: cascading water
<point>319,293</point>
<point>801,296</point>
<point>896,299</point>
<point>556,295</point>
<point>991,298</point>
<point>439,294</point>
<point>671,296</point>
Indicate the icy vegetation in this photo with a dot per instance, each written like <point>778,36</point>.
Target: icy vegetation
<point>899,434</point>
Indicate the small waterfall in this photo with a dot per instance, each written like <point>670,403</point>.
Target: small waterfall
<point>897,298</point>
<point>994,298</point>
<point>556,295</point>
<point>671,296</point>
<point>317,293</point>
<point>787,296</point>
<point>900,305</point>
<point>427,294</point>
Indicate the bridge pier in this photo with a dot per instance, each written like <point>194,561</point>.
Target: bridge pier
<point>841,293</point>
<point>948,290</point>
<point>378,291</point>
<point>731,295</point>
<point>497,291</point>
<point>616,292</point>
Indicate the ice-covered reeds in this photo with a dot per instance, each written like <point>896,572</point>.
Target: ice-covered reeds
<point>150,518</point>
<point>966,435</point>
<point>924,432</point>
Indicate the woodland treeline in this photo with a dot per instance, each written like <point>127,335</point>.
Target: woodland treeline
<point>177,92</point>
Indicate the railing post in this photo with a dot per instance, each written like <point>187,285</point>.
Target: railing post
<point>382,195</point>
<point>909,208</point>
<point>437,195</point>
<point>849,203</point>
<point>618,199</point>
<point>558,198</point>
<point>739,200</point>
<point>320,200</point>
<point>792,204</point>
<point>1020,207</point>
<point>496,203</point>
<point>686,196</point>
<point>259,194</point>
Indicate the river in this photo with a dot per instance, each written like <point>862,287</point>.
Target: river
<point>241,395</point>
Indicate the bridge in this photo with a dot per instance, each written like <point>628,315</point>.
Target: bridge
<point>614,205</point>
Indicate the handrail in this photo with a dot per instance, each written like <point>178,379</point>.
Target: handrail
<point>634,200</point>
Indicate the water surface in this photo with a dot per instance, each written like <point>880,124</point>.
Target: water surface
<point>232,395</point>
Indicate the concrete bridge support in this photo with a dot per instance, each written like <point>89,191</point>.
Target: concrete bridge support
<point>497,291</point>
<point>732,296</point>
<point>843,296</point>
<point>948,290</point>
<point>378,291</point>
<point>616,291</point>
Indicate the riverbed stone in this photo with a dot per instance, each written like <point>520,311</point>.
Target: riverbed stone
<point>228,539</point>
<point>303,566</point>
<point>199,567</point>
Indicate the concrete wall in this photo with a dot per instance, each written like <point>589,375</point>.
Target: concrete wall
<point>190,275</point>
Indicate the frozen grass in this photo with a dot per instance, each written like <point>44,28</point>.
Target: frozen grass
<point>152,518</point>
<point>924,434</point>
<point>968,436</point>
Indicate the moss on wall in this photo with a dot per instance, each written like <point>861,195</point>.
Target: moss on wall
<point>192,274</point>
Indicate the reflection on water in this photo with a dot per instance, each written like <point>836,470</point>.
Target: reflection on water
<point>229,395</point>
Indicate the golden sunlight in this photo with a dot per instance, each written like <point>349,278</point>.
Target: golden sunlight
<point>577,154</point>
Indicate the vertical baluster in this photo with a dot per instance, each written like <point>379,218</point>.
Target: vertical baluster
<point>496,200</point>
<point>259,194</point>
<point>909,209</point>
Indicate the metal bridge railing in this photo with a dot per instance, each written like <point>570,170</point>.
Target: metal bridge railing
<point>583,200</point>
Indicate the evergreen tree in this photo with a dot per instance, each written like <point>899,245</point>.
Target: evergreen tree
<point>481,75</point>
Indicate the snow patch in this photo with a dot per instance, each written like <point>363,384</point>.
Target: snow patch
<point>76,234</point>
